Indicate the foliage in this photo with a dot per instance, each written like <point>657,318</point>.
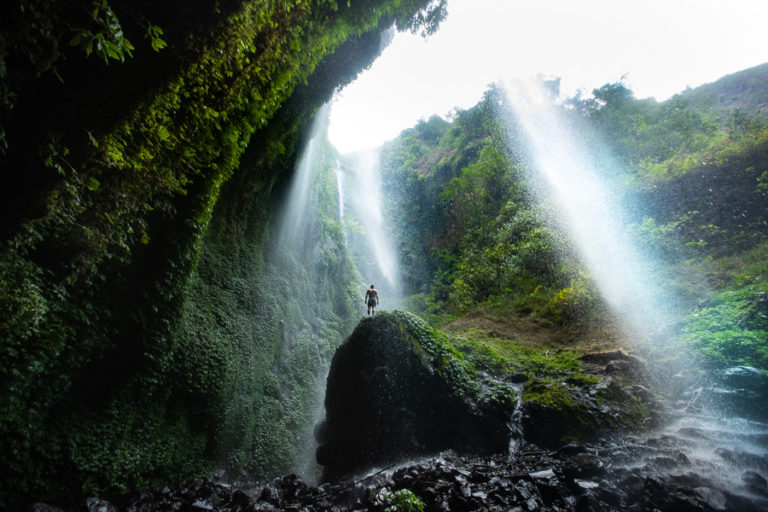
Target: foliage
<point>501,356</point>
<point>403,500</point>
<point>499,397</point>
<point>732,329</point>
<point>468,231</point>
<point>449,363</point>
<point>138,345</point>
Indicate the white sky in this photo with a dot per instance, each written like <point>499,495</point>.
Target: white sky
<point>662,46</point>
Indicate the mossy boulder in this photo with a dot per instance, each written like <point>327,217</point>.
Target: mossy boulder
<point>397,388</point>
<point>557,413</point>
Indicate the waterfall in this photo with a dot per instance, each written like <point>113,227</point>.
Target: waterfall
<point>302,281</point>
<point>296,210</point>
<point>340,189</point>
<point>565,172</point>
<point>372,247</point>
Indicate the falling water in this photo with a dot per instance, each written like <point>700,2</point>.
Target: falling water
<point>340,188</point>
<point>296,209</point>
<point>374,253</point>
<point>295,263</point>
<point>590,211</point>
<point>722,448</point>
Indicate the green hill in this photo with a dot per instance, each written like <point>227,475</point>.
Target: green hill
<point>746,91</point>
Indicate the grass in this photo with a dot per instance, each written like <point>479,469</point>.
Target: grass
<point>494,352</point>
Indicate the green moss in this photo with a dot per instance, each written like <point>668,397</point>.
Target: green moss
<point>433,345</point>
<point>557,413</point>
<point>498,397</point>
<point>502,356</point>
<point>139,342</point>
<point>551,395</point>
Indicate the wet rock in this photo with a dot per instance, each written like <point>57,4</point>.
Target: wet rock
<point>744,459</point>
<point>755,483</point>
<point>531,480</point>
<point>713,498</point>
<point>620,366</point>
<point>736,391</point>
<point>554,414</point>
<point>99,505</point>
<point>517,378</point>
<point>744,377</point>
<point>545,474</point>
<point>42,507</point>
<point>396,389</point>
<point>584,465</point>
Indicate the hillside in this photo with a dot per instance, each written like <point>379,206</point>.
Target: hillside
<point>746,91</point>
<point>474,238</point>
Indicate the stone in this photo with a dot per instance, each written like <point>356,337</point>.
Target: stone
<point>543,474</point>
<point>99,505</point>
<point>43,507</point>
<point>555,414</point>
<point>586,484</point>
<point>397,389</point>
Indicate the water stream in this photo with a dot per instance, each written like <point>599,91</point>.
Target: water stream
<point>724,450</point>
<point>366,239</point>
<point>370,242</point>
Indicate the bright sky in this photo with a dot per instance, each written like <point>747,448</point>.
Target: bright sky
<point>662,46</point>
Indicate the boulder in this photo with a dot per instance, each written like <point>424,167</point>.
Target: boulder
<point>396,389</point>
<point>556,413</point>
<point>736,391</point>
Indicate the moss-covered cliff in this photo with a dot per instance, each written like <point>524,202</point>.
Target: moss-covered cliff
<point>145,333</point>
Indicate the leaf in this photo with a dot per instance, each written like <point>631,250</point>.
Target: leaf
<point>158,44</point>
<point>163,133</point>
<point>92,139</point>
<point>93,184</point>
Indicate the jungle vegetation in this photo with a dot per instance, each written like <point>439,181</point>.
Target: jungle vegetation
<point>693,170</point>
<point>148,332</point>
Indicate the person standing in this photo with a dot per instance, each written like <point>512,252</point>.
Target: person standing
<point>372,299</point>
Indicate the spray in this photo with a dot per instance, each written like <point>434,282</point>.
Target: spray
<point>565,173</point>
<point>373,250</point>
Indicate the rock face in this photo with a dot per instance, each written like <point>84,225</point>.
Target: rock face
<point>737,391</point>
<point>397,388</point>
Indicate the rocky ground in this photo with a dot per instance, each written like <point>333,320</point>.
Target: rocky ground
<point>682,459</point>
<point>573,478</point>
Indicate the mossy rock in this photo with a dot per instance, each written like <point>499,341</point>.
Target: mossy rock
<point>556,413</point>
<point>397,388</point>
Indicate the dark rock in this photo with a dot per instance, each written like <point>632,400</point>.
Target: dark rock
<point>396,389</point>
<point>42,507</point>
<point>744,459</point>
<point>603,358</point>
<point>584,465</point>
<point>744,377</point>
<point>241,499</point>
<point>271,494</point>
<point>571,449</point>
<point>756,483</point>
<point>99,505</point>
<point>621,366</point>
<point>517,378</point>
<point>554,414</point>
